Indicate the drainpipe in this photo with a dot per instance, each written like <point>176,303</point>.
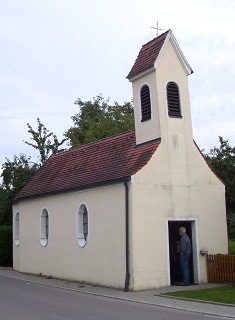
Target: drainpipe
<point>127,233</point>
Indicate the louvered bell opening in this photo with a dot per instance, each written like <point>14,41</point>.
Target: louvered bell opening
<point>145,103</point>
<point>173,100</point>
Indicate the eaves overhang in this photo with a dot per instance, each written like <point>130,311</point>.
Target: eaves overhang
<point>75,189</point>
<point>142,74</point>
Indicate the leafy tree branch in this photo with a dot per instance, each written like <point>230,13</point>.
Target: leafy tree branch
<point>97,119</point>
<point>44,141</point>
<point>222,161</point>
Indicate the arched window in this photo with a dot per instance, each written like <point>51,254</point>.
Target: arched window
<point>82,225</point>
<point>17,225</point>
<point>173,100</point>
<point>145,103</point>
<point>44,227</point>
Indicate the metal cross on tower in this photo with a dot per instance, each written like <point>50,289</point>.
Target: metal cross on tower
<point>157,29</point>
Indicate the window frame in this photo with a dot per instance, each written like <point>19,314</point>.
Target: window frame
<point>17,229</point>
<point>146,108</point>
<point>44,227</point>
<point>82,225</point>
<point>174,108</point>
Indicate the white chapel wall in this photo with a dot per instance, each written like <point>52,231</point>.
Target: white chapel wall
<point>176,184</point>
<point>199,198</point>
<point>101,261</point>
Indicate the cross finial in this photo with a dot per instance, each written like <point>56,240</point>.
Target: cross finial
<point>156,28</point>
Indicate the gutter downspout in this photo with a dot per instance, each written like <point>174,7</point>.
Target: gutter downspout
<point>126,289</point>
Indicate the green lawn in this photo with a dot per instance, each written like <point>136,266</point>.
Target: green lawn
<point>222,295</point>
<point>231,247</point>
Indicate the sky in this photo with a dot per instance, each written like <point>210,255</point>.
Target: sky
<point>55,51</point>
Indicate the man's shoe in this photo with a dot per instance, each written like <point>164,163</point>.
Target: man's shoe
<point>182,284</point>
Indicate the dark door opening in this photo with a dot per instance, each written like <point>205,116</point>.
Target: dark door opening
<point>173,228</point>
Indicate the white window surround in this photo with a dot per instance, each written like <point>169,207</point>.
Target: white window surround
<point>196,264</point>
<point>17,229</point>
<point>82,225</point>
<point>139,100</point>
<point>44,227</point>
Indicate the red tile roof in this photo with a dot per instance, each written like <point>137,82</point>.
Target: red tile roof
<point>107,160</point>
<point>147,55</point>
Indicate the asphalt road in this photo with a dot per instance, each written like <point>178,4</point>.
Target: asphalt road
<point>21,300</point>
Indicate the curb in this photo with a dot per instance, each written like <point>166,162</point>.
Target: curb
<point>195,300</point>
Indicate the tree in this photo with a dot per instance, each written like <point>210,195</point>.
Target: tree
<point>15,175</point>
<point>222,161</point>
<point>6,197</point>
<point>98,119</point>
<point>45,142</point>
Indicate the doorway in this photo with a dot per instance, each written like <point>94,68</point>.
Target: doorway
<point>173,231</point>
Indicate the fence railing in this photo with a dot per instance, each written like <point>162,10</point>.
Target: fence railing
<point>220,268</point>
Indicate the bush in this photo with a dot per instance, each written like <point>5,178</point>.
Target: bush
<point>6,246</point>
<point>231,247</point>
<point>231,226</point>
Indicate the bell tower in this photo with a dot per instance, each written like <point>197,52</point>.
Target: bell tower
<point>160,90</point>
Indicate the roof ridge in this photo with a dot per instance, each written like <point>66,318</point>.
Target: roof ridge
<point>156,38</point>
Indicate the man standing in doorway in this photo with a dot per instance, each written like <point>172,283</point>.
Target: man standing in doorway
<point>184,250</point>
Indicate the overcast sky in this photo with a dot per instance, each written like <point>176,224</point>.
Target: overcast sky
<point>54,51</point>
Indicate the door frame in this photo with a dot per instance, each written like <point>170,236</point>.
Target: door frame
<point>195,247</point>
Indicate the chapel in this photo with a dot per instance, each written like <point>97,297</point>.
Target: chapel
<point>108,213</point>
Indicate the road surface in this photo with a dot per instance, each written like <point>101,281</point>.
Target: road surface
<point>22,300</point>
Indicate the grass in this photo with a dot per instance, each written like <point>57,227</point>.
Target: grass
<point>231,247</point>
<point>221,295</point>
